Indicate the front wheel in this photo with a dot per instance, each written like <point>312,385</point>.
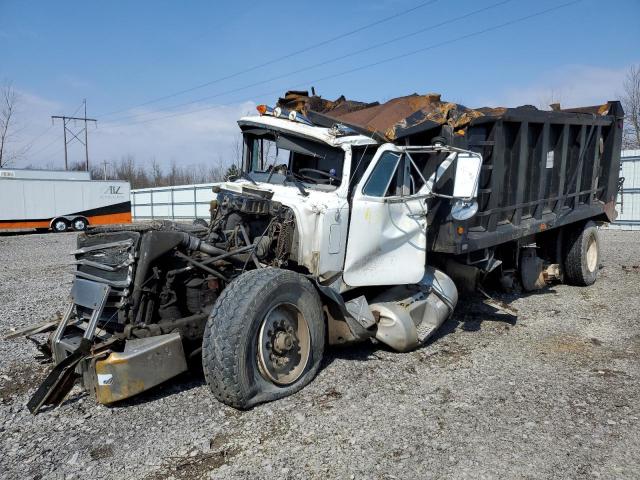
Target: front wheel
<point>264,339</point>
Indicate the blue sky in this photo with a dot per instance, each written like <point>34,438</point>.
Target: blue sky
<point>120,54</point>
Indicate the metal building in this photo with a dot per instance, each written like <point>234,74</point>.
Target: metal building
<point>629,199</point>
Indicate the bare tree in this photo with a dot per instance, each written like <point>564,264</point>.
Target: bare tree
<point>238,150</point>
<point>631,105</point>
<point>8,100</point>
<point>156,173</point>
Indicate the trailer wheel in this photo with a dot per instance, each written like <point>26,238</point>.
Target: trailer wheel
<point>80,224</point>
<point>264,339</point>
<point>60,225</point>
<point>582,255</point>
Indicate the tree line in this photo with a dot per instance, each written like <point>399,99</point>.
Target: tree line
<point>154,175</point>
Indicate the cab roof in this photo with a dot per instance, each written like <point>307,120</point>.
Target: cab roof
<point>311,132</point>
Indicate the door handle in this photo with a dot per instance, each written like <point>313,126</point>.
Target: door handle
<point>417,215</point>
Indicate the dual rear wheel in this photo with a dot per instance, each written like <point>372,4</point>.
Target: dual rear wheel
<point>582,255</point>
<point>79,224</point>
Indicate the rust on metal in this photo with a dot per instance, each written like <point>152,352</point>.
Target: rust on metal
<point>402,116</point>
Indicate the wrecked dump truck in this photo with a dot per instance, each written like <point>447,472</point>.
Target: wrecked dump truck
<point>349,221</point>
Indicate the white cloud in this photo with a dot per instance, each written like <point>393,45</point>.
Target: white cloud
<point>571,85</point>
<point>205,137</point>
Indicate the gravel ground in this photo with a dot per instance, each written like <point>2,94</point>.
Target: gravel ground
<point>552,393</point>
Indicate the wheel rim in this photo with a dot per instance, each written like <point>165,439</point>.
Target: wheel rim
<point>592,254</point>
<point>284,344</point>
<point>60,226</point>
<point>78,224</point>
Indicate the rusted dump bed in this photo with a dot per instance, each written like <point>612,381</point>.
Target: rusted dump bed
<point>542,168</point>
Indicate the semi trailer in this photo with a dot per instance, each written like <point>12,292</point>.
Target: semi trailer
<point>348,222</point>
<point>60,200</point>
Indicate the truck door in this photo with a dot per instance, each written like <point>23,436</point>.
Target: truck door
<point>386,244</point>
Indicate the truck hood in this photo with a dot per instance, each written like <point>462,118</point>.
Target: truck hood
<point>310,213</point>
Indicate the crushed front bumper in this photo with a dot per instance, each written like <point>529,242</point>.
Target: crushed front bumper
<point>144,363</point>
<point>111,367</point>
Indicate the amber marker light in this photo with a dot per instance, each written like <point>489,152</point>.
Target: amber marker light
<point>460,230</point>
<point>262,109</point>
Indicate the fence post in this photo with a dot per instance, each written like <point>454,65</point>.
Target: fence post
<point>133,205</point>
<point>173,206</point>
<point>152,217</point>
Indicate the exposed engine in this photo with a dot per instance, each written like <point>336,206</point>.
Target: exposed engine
<point>165,277</point>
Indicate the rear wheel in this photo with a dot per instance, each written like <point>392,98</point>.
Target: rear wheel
<point>60,225</point>
<point>582,255</point>
<point>80,224</point>
<point>264,339</point>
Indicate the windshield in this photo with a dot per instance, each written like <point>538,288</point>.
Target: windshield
<point>275,157</point>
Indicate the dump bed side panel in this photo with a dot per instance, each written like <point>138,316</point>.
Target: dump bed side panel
<point>541,170</point>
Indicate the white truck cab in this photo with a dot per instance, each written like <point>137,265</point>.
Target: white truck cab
<point>360,206</point>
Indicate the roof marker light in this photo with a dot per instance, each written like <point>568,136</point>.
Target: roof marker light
<point>262,109</point>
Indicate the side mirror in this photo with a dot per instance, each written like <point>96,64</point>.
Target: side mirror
<point>465,184</point>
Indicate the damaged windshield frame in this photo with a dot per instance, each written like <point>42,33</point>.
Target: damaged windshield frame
<point>279,158</point>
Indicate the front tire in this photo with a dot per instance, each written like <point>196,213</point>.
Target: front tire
<point>582,255</point>
<point>264,339</point>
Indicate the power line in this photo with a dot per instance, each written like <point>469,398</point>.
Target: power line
<point>46,147</point>
<point>373,64</point>
<point>322,63</point>
<point>79,107</point>
<point>30,145</point>
<point>278,59</point>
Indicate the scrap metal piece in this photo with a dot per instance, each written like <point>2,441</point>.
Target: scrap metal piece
<point>60,380</point>
<point>144,363</point>
<point>34,329</point>
<point>403,116</point>
<point>359,309</point>
<point>497,304</point>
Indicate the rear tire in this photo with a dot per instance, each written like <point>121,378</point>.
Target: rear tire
<point>80,224</point>
<point>59,225</point>
<point>264,339</point>
<point>582,255</point>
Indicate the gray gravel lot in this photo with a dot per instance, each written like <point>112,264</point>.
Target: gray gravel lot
<point>551,394</point>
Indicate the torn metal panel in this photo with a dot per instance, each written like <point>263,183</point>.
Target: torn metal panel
<point>404,116</point>
<point>300,101</point>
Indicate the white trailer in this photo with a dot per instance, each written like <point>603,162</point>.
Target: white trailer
<point>60,200</point>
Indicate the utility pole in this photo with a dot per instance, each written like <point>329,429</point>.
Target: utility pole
<point>75,134</point>
<point>104,168</point>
